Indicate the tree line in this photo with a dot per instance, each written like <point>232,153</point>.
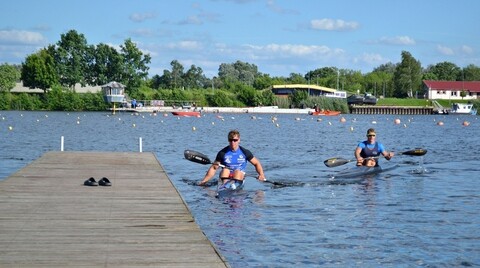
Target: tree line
<point>73,61</point>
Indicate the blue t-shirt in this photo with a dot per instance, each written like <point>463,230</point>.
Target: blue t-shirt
<point>234,160</point>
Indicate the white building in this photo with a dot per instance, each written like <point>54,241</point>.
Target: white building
<point>451,90</point>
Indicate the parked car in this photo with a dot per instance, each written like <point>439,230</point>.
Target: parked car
<point>355,100</point>
<point>366,99</point>
<point>369,99</point>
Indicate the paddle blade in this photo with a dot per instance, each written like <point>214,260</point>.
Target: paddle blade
<point>415,152</point>
<point>196,157</point>
<point>335,162</point>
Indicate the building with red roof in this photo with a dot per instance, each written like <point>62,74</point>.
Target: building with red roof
<point>451,90</point>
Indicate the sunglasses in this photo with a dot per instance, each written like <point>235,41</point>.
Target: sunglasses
<point>370,135</point>
<point>230,140</point>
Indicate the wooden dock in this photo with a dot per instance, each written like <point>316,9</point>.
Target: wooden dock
<point>48,218</point>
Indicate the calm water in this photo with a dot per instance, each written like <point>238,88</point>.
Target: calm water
<point>424,213</point>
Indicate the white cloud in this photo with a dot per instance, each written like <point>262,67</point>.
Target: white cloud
<point>142,32</point>
<point>398,40</point>
<point>333,25</point>
<point>445,50</point>
<point>185,45</point>
<point>288,50</point>
<point>15,37</point>
<point>467,49</point>
<point>195,20</point>
<point>139,17</point>
<point>371,59</point>
<point>200,18</point>
<point>272,6</point>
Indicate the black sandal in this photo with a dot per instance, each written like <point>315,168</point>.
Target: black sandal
<point>104,182</point>
<point>90,182</point>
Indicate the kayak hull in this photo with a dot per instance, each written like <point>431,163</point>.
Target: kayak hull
<point>229,188</point>
<point>187,113</point>
<point>361,171</point>
<point>325,113</point>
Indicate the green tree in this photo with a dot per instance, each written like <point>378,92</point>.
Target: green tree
<point>38,71</point>
<point>227,73</point>
<point>246,72</point>
<point>246,94</point>
<point>378,82</point>
<point>445,71</point>
<point>166,81</point>
<point>408,76</point>
<point>239,71</point>
<point>219,99</point>
<point>26,102</point>
<point>194,78</point>
<point>326,76</point>
<point>176,75</point>
<point>471,73</point>
<point>296,78</point>
<point>155,81</point>
<point>263,81</point>
<point>8,77</point>
<point>427,75</point>
<point>386,83</point>
<point>298,97</point>
<point>371,80</point>
<point>352,81</point>
<point>387,68</point>
<point>265,97</point>
<point>72,57</point>
<point>135,68</point>
<point>106,66</point>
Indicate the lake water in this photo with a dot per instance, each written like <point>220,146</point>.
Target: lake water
<point>423,213</point>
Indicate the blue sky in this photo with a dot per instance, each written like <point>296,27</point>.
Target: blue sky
<point>279,36</point>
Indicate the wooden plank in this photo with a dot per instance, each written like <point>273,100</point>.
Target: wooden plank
<point>48,218</point>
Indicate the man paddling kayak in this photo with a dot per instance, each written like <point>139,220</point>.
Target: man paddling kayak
<point>234,157</point>
<point>367,152</point>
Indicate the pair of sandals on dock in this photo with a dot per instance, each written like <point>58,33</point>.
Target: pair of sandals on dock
<point>102,182</point>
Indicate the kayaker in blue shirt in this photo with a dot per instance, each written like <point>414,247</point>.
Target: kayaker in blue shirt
<point>367,152</point>
<point>234,157</point>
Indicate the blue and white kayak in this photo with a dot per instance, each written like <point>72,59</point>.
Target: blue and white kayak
<point>229,187</point>
<point>361,171</point>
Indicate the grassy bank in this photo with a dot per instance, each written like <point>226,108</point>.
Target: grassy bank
<point>422,102</point>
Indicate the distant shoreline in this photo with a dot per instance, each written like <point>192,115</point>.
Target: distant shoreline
<point>243,110</point>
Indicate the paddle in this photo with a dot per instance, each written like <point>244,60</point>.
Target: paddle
<point>338,161</point>
<point>204,160</point>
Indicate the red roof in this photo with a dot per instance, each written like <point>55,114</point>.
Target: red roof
<point>472,86</point>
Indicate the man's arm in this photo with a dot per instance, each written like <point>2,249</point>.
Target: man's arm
<point>258,167</point>
<point>359,158</point>
<point>387,155</point>
<point>210,173</point>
